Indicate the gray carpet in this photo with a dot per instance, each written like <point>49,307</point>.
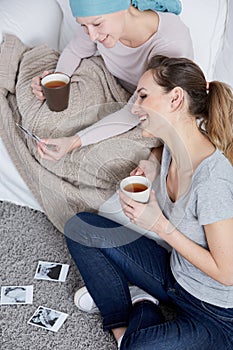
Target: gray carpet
<point>27,237</point>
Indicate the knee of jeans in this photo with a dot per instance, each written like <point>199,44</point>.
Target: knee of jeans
<point>74,226</point>
<point>127,345</point>
<point>76,221</point>
<point>93,230</point>
<point>82,228</point>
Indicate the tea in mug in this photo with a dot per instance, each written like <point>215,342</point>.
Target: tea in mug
<point>56,89</point>
<point>55,84</point>
<point>135,187</point>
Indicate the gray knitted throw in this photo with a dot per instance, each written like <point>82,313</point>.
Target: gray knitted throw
<point>86,177</point>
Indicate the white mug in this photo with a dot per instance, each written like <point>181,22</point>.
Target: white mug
<point>136,187</point>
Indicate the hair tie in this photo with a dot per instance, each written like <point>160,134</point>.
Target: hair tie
<point>207,87</point>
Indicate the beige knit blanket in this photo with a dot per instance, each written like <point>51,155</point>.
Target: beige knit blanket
<point>86,177</point>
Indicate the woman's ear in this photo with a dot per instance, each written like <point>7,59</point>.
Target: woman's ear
<point>177,96</point>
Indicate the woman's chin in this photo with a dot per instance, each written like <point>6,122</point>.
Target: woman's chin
<point>109,42</point>
<point>146,133</point>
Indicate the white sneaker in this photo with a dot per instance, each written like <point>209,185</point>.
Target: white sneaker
<point>84,301</point>
<point>138,294</point>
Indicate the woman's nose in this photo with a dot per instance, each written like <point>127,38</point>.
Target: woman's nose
<point>135,108</point>
<point>93,34</point>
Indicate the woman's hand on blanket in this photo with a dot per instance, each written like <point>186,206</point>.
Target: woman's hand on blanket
<point>149,215</point>
<point>61,146</point>
<point>36,85</point>
<point>145,168</point>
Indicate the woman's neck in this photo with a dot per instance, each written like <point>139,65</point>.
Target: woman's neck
<point>140,26</point>
<point>187,142</point>
<point>188,147</point>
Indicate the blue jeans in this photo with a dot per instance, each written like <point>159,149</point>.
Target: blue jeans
<point>107,272</point>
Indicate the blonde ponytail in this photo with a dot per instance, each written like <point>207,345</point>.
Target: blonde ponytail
<point>219,122</point>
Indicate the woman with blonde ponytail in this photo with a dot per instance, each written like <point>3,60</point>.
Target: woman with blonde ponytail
<point>190,209</point>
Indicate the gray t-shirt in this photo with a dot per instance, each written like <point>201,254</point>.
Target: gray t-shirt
<point>210,199</point>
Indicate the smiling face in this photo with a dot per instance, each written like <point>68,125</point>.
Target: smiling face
<point>152,104</point>
<point>106,29</point>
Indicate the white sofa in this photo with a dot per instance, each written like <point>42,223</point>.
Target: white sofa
<point>36,22</point>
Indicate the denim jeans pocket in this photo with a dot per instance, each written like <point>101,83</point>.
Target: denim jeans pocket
<point>217,312</point>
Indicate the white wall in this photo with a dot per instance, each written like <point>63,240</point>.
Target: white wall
<point>206,20</point>
<point>224,66</point>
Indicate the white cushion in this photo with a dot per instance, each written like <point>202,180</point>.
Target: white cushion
<point>206,20</point>
<point>69,24</point>
<point>34,22</point>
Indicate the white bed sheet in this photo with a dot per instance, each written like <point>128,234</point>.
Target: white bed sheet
<point>12,187</point>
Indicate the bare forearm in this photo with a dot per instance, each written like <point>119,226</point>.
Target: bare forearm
<point>75,142</point>
<point>197,255</point>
